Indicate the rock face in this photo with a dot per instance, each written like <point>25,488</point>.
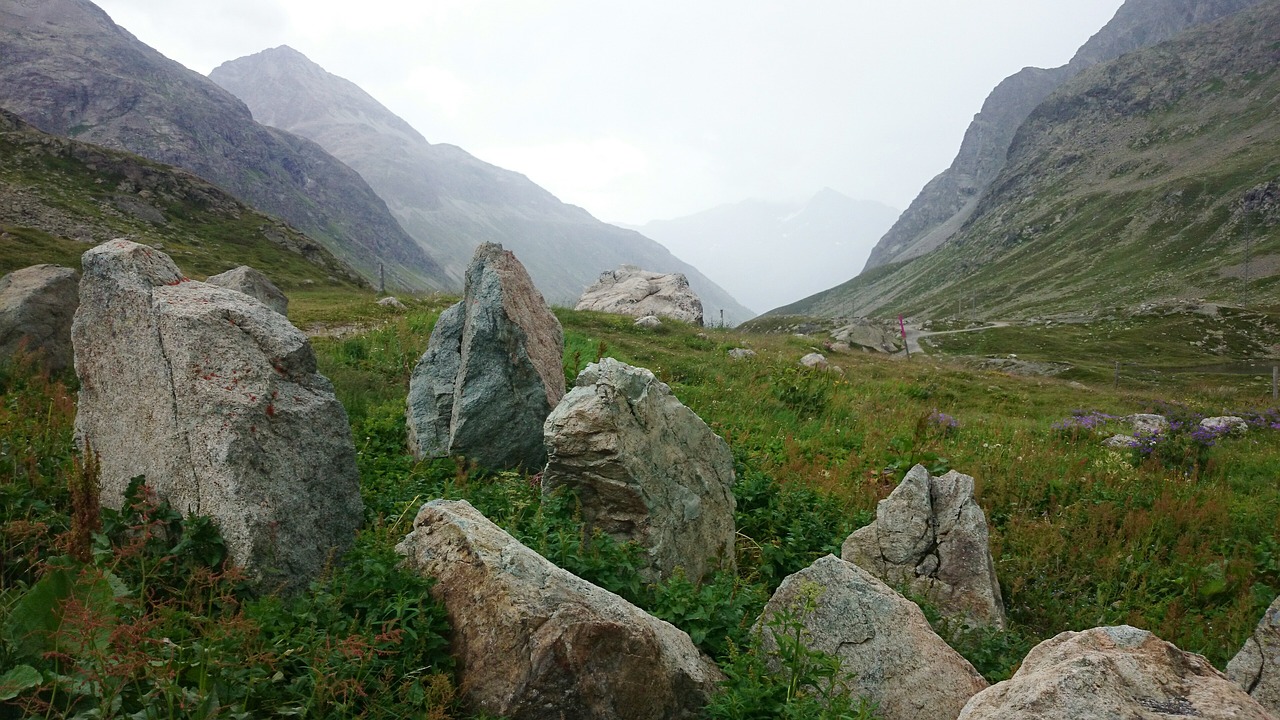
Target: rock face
<point>1256,668</point>
<point>217,401</point>
<point>535,642</point>
<point>492,372</point>
<point>36,307</point>
<point>887,649</point>
<point>930,536</point>
<point>1113,672</point>
<point>254,284</point>
<point>645,468</point>
<point>635,292</point>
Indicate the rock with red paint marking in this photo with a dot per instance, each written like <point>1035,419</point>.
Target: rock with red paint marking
<point>216,400</point>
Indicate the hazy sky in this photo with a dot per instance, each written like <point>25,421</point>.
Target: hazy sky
<point>656,109</point>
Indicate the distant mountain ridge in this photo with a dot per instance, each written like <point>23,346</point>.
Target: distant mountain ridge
<point>447,199</point>
<point>69,70</point>
<point>950,199</point>
<point>768,254</point>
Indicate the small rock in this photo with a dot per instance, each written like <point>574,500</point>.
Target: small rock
<point>1119,442</point>
<point>1256,668</point>
<point>254,284</point>
<point>741,353</point>
<point>814,360</point>
<point>1225,423</point>
<point>37,304</point>
<point>648,321</point>
<point>1148,424</point>
<point>392,302</point>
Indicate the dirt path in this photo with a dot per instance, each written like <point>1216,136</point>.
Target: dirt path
<point>914,334</point>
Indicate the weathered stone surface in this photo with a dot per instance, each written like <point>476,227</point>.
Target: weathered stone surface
<point>1225,423</point>
<point>887,649</point>
<point>1147,423</point>
<point>649,321</point>
<point>814,360</point>
<point>930,536</point>
<point>254,284</point>
<point>645,468</point>
<point>392,302</point>
<point>741,353</point>
<point>36,307</point>
<point>216,399</point>
<point>1119,442</point>
<point>535,642</point>
<point>1256,668</point>
<point>1113,672</point>
<point>492,372</point>
<point>635,292</point>
<point>868,335</point>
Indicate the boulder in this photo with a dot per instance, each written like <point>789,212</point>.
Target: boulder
<point>635,292</point>
<point>392,303</point>
<point>1119,442</point>
<point>815,361</point>
<point>535,642</point>
<point>869,335</point>
<point>36,307</point>
<point>1113,672</point>
<point>1147,423</point>
<point>741,354</point>
<point>930,537</point>
<point>492,371</point>
<point>1256,668</point>
<point>254,284</point>
<point>645,468</point>
<point>649,321</point>
<point>1225,424</point>
<point>887,650</point>
<point>216,400</point>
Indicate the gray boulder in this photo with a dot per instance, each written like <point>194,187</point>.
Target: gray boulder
<point>1113,672</point>
<point>635,292</point>
<point>534,642</point>
<point>1225,424</point>
<point>868,335</point>
<point>887,650</point>
<point>216,400</point>
<point>645,468</point>
<point>1256,668</point>
<point>649,321</point>
<point>36,307</point>
<point>492,371</point>
<point>254,284</point>
<point>392,303</point>
<point>1148,423</point>
<point>930,537</point>
<point>741,354</point>
<point>814,361</point>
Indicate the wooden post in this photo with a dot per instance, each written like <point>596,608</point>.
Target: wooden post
<point>1117,381</point>
<point>382,279</point>
<point>1275,383</point>
<point>721,317</point>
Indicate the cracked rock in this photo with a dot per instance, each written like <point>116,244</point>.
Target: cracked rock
<point>1256,668</point>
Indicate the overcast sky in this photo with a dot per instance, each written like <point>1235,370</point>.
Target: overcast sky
<point>654,109</point>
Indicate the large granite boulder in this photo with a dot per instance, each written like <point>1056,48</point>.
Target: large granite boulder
<point>930,537</point>
<point>1256,668</point>
<point>887,650</point>
<point>1113,672</point>
<point>36,307</point>
<point>216,400</point>
<point>645,469</point>
<point>635,292</point>
<point>869,335</point>
<point>254,284</point>
<point>492,372</point>
<point>535,642</point>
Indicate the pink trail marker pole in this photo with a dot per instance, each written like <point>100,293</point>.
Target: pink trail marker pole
<point>902,327</point>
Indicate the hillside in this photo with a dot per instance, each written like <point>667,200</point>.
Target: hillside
<point>70,71</point>
<point>768,254</point>
<point>447,199</point>
<point>1151,177</point>
<point>950,199</point>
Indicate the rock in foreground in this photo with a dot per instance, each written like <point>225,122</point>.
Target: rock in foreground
<point>635,292</point>
<point>645,468</point>
<point>1113,672</point>
<point>216,400</point>
<point>254,284</point>
<point>1256,668</point>
<point>534,642</point>
<point>36,307</point>
<point>492,372</point>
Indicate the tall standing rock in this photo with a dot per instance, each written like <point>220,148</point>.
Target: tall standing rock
<point>930,536</point>
<point>1256,668</point>
<point>645,468</point>
<point>635,292</point>
<point>493,370</point>
<point>254,284</point>
<point>535,642</point>
<point>216,400</point>
<point>36,307</point>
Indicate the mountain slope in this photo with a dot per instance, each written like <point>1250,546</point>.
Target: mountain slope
<point>948,200</point>
<point>1156,176</point>
<point>447,199</point>
<point>768,254</point>
<point>69,70</point>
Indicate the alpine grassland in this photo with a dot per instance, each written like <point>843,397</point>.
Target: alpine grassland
<point>135,612</point>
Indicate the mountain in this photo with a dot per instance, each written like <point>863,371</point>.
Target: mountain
<point>768,254</point>
<point>948,200</point>
<point>69,70</point>
<point>447,199</point>
<point>1155,176</point>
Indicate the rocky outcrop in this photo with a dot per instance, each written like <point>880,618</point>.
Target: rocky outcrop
<point>930,537</point>
<point>36,307</point>
<point>887,650</point>
<point>645,468</point>
<point>1113,672</point>
<point>216,400</point>
<point>868,335</point>
<point>635,292</point>
<point>254,284</point>
<point>534,642</point>
<point>1256,668</point>
<point>492,372</point>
